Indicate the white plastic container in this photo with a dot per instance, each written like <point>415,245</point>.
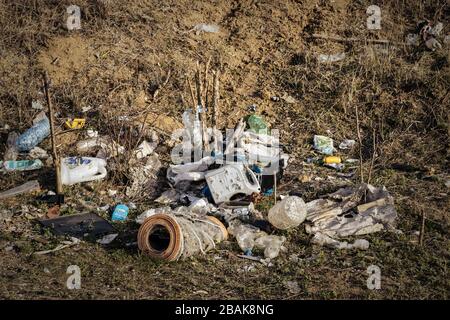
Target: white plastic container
<point>82,169</point>
<point>288,213</point>
<point>230,180</point>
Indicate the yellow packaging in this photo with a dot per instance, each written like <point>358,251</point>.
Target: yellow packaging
<point>332,159</point>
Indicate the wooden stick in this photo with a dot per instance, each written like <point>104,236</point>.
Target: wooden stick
<point>198,86</point>
<point>215,105</point>
<point>141,132</point>
<point>339,39</point>
<point>155,94</point>
<point>422,228</point>
<point>206,81</point>
<point>373,157</point>
<point>192,92</point>
<point>360,144</point>
<point>201,105</point>
<point>59,189</point>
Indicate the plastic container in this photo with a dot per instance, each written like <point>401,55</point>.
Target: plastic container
<point>34,135</point>
<point>120,213</point>
<point>82,169</point>
<point>288,213</point>
<point>230,180</point>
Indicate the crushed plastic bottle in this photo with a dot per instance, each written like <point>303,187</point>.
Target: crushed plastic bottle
<point>272,245</point>
<point>288,213</point>
<point>245,235</point>
<point>34,135</point>
<point>21,165</point>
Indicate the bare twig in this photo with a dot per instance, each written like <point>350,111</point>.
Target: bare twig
<point>340,39</point>
<point>422,229</point>
<point>161,86</point>
<point>205,81</point>
<point>192,92</point>
<point>56,160</point>
<point>373,156</point>
<point>201,105</point>
<point>360,144</point>
<point>215,105</point>
<point>141,132</point>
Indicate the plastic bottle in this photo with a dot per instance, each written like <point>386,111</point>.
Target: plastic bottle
<point>34,135</point>
<point>288,213</point>
<point>22,165</point>
<point>271,245</point>
<point>192,125</point>
<point>77,169</point>
<point>245,235</point>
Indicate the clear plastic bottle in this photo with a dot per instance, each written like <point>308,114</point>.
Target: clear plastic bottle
<point>288,213</point>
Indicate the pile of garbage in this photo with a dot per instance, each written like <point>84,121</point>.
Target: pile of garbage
<point>215,184</point>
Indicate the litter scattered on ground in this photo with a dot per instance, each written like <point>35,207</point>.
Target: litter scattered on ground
<point>27,187</point>
<point>213,188</point>
<point>178,234</point>
<point>352,211</point>
<point>79,225</point>
<point>107,147</point>
<point>82,169</point>
<point>107,239</point>
<point>34,135</point>
<point>120,213</point>
<point>347,144</point>
<point>143,176</point>
<point>203,27</point>
<point>323,144</point>
<point>20,165</point>
<point>38,153</point>
<point>249,237</point>
<point>428,34</point>
<point>327,58</point>
<point>37,105</point>
<point>76,123</point>
<point>288,213</point>
<point>324,240</point>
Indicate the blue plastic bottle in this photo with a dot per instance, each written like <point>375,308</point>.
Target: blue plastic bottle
<point>33,136</point>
